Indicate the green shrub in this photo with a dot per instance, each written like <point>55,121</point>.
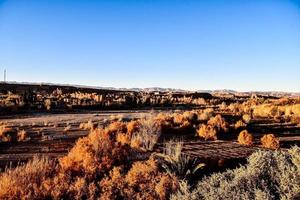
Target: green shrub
<point>268,175</point>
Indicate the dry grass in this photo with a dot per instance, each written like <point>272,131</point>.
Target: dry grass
<point>148,133</point>
<point>25,182</point>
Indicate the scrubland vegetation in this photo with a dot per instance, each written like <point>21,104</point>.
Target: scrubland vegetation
<point>145,158</point>
<point>97,166</point>
<point>267,175</point>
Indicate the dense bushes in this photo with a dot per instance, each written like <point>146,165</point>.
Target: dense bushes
<point>115,163</point>
<point>27,182</point>
<point>214,127</point>
<point>94,154</point>
<point>275,109</point>
<point>143,181</point>
<point>98,166</point>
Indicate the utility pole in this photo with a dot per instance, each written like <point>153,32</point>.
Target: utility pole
<point>4,75</point>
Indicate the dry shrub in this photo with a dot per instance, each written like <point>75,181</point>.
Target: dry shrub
<point>206,114</point>
<point>265,110</point>
<point>87,125</point>
<point>296,120</point>
<point>185,127</point>
<point>123,138</point>
<point>163,117</point>
<point>182,123</point>
<point>246,118</point>
<point>136,142</point>
<point>239,124</point>
<point>236,108</point>
<point>147,135</point>
<point>3,134</point>
<point>22,136</point>
<point>208,132</point>
<point>117,127</point>
<point>95,154</point>
<point>275,109</point>
<point>177,123</point>
<point>245,138</point>
<point>270,141</point>
<point>8,134</point>
<point>184,118</point>
<point>296,109</point>
<point>223,106</point>
<point>219,123</point>
<point>142,181</point>
<point>178,119</point>
<point>191,116</point>
<point>214,126</point>
<point>47,104</point>
<point>133,126</point>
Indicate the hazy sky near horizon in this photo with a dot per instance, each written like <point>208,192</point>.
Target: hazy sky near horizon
<point>188,44</point>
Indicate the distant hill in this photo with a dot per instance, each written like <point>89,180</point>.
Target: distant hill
<point>159,89</point>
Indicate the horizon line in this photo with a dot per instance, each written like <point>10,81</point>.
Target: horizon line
<point>144,88</point>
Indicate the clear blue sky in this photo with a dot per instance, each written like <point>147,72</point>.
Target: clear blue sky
<point>242,45</point>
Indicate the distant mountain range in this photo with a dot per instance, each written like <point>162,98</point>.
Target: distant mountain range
<point>159,89</point>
